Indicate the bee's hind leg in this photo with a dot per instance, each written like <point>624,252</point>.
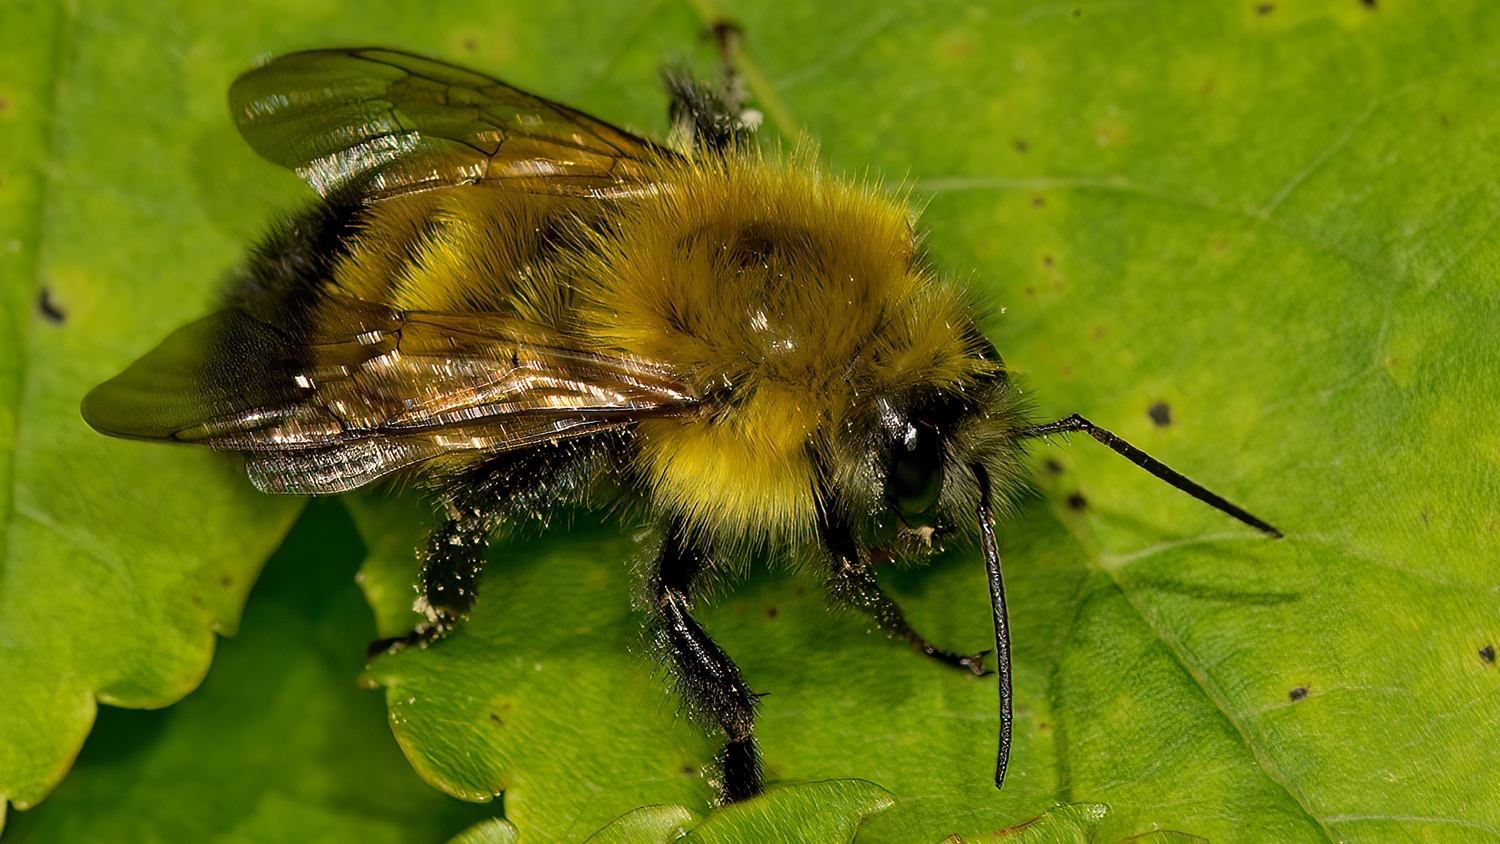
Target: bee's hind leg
<point>708,679</point>
<point>452,565</point>
<point>851,582</point>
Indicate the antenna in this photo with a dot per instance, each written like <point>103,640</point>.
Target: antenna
<point>1151,464</point>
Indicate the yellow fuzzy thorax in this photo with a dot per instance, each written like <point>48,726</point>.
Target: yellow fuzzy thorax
<point>796,293</point>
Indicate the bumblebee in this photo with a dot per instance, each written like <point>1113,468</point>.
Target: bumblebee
<point>526,308</point>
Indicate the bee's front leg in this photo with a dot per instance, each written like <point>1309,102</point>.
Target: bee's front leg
<point>851,582</point>
<point>452,565</point>
<point>708,679</point>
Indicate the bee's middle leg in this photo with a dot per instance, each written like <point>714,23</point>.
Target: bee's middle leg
<point>851,582</point>
<point>708,679</point>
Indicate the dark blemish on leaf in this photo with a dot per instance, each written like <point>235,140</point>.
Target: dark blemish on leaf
<point>771,612</point>
<point>801,591</point>
<point>1424,518</point>
<point>1038,201</point>
<point>1046,260</point>
<point>1160,413</point>
<point>1487,653</point>
<point>1021,145</point>
<point>1067,372</point>
<point>47,309</point>
<point>196,599</point>
<point>1368,4</point>
<point>4,104</point>
<point>1054,467</point>
<point>1265,9</point>
<point>1077,13</point>
<point>496,719</point>
<point>1443,119</point>
<point>1297,694</point>
<point>688,771</point>
<point>226,581</point>
<point>1030,292</point>
<point>1099,332</point>
<point>1077,503</point>
<point>471,44</point>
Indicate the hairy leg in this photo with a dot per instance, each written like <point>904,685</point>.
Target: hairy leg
<point>508,488</point>
<point>709,681</point>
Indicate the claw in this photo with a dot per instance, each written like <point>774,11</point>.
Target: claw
<point>975,664</point>
<point>424,635</point>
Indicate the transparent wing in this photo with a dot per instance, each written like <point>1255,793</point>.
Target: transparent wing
<point>405,123</point>
<point>364,390</point>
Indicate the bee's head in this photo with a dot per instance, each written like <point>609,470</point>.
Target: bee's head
<point>909,459</point>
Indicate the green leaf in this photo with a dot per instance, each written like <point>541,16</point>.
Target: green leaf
<point>1072,824</point>
<point>489,831</point>
<point>1273,218</point>
<point>815,813</point>
<point>647,825</point>
<point>119,562</point>
<point>278,745</point>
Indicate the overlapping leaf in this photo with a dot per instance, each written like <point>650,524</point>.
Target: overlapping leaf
<point>1272,219</point>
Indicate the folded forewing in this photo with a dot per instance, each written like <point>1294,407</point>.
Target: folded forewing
<point>364,390</point>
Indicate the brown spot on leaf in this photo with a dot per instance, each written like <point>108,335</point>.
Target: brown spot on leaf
<point>1046,260</point>
<point>1021,145</point>
<point>496,719</point>
<point>1160,413</point>
<point>1077,503</point>
<point>1487,653</point>
<point>1054,467</point>
<point>1038,202</point>
<point>1297,694</point>
<point>959,47</point>
<point>771,612</point>
<point>1265,9</point>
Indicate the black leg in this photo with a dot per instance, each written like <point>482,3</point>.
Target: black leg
<point>709,681</point>
<point>451,568</point>
<point>508,488</point>
<point>852,583</point>
<point>452,565</point>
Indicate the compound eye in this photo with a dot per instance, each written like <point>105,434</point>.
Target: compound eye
<point>915,480</point>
